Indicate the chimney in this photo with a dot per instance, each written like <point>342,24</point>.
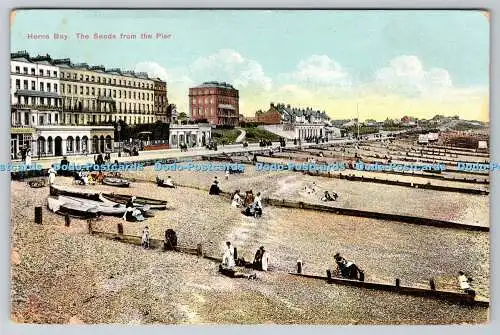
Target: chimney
<point>272,104</point>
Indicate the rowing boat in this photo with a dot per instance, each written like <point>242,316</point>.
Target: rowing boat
<point>139,201</point>
<point>117,182</point>
<point>63,207</point>
<point>109,197</point>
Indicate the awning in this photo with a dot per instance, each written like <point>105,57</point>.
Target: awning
<point>31,93</point>
<point>226,106</point>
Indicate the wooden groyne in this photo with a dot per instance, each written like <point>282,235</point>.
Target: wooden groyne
<point>451,296</point>
<point>356,212</point>
<point>427,186</point>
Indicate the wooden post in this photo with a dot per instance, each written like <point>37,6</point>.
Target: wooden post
<point>38,214</point>
<point>432,284</point>
<point>199,250</point>
<point>397,282</point>
<point>67,220</point>
<point>299,266</point>
<point>120,228</point>
<point>89,226</point>
<point>329,274</point>
<point>235,253</point>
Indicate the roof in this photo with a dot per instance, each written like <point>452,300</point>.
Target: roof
<point>215,84</point>
<point>31,93</point>
<point>23,56</point>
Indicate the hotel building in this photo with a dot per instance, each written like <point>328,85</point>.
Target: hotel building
<point>218,103</point>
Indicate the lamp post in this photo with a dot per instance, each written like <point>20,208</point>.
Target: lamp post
<point>119,128</point>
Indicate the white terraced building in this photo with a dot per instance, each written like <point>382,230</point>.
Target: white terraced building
<point>37,110</point>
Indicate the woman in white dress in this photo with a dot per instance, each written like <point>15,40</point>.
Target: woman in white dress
<point>52,175</point>
<point>236,201</point>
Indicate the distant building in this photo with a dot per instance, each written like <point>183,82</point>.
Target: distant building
<point>216,102</point>
<point>272,116</point>
<point>289,114</point>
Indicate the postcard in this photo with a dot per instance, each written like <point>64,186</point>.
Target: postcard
<point>249,166</point>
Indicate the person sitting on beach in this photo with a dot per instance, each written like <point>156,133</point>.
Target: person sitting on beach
<point>169,183</point>
<point>328,197</point>
<point>214,189</point>
<point>255,208</point>
<point>464,282</point>
<point>236,199</point>
<point>145,238</point>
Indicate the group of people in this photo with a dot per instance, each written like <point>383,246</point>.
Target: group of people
<point>229,264</point>
<point>251,203</point>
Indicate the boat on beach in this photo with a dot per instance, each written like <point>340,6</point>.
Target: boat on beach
<point>117,182</point>
<point>143,202</point>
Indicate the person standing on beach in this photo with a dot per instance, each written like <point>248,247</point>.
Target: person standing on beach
<point>145,238</point>
<point>52,175</point>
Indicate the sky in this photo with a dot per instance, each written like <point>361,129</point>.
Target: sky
<point>384,63</point>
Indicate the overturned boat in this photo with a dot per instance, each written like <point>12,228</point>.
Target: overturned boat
<point>146,203</point>
<point>63,207</point>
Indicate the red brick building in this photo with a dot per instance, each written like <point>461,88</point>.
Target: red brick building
<point>216,102</point>
<point>272,116</point>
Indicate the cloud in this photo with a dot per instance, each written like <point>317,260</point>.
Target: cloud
<point>406,75</point>
<point>177,83</point>
<point>320,70</point>
<point>230,66</point>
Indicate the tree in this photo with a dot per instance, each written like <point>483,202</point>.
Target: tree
<point>182,116</point>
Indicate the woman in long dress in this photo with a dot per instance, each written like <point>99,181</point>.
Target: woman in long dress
<point>52,175</point>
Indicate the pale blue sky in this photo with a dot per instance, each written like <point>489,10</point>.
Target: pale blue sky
<point>361,42</point>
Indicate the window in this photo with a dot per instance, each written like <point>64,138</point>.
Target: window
<point>74,77</point>
<point>25,70</point>
<point>129,83</point>
<point>129,94</point>
<point>119,94</point>
<point>98,79</point>
<point>33,100</point>
<point>81,77</point>
<point>114,93</point>
<point>56,118</point>
<point>62,88</point>
<point>81,90</point>
<point>33,85</point>
<point>41,87</point>
<point>41,72</point>
<point>120,82</point>
<point>134,94</point>
<point>33,71</point>
<point>55,73</point>
<point>87,90</point>
<point>104,92</point>
<point>55,88</point>
<point>92,78</point>
<point>98,91</point>
<point>69,88</point>
<point>25,84</point>
<point>143,96</point>
<point>42,101</point>
<point>18,69</point>
<point>48,87</point>
<point>87,78</point>
<point>114,81</point>
<point>93,91</point>
<point>75,89</point>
